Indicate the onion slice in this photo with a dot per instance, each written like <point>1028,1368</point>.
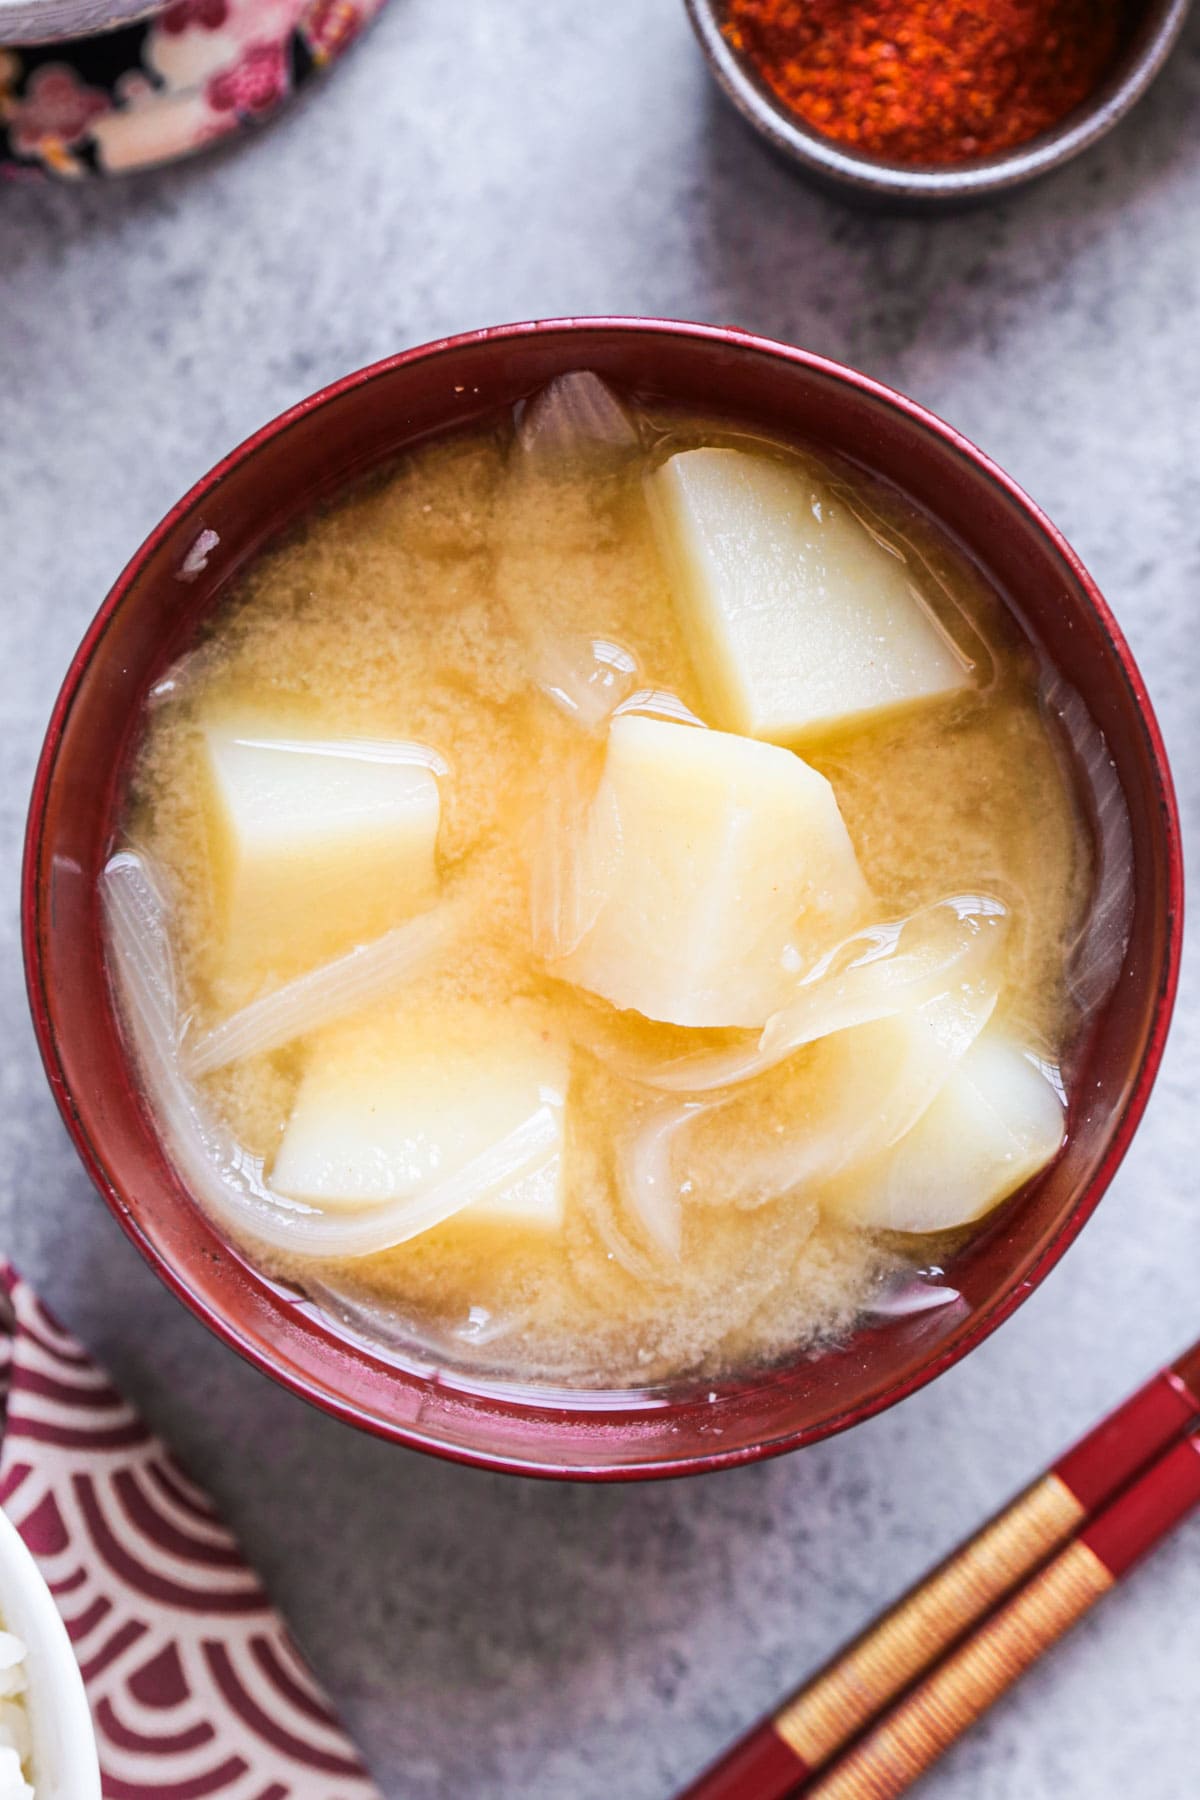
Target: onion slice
<point>929,1042</point>
<point>572,866</point>
<point>1095,958</point>
<point>575,415</point>
<point>221,1173</point>
<point>659,703</point>
<point>586,680</point>
<point>404,751</point>
<point>924,1046</point>
<point>320,996</point>
<point>646,1178</point>
<point>881,971</point>
<point>591,682</point>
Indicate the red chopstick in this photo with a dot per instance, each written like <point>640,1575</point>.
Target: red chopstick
<point>925,1721</point>
<point>1142,1447</point>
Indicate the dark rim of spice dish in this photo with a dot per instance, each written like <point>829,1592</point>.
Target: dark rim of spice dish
<point>1148,34</point>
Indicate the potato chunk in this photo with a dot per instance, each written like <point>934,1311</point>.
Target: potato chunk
<point>388,1110</point>
<point>799,622</point>
<point>715,868</point>
<point>995,1123</point>
<point>319,844</point>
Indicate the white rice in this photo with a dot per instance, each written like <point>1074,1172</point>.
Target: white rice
<point>15,1746</point>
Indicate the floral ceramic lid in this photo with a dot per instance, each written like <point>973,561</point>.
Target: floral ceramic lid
<point>195,1686</point>
<point>164,87</point>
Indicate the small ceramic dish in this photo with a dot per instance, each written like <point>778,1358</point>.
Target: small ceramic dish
<point>183,572</point>
<point>1150,34</point>
<point>64,1760</point>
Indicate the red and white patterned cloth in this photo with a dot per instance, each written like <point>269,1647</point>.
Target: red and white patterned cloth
<point>196,1688</point>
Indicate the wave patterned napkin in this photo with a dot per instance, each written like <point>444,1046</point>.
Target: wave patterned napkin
<point>196,1689</point>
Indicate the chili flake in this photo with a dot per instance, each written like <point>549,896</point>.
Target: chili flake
<point>928,81</point>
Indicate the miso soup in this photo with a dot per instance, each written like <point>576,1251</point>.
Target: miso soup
<point>610,899</point>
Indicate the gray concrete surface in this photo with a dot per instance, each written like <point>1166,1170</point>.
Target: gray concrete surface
<point>477,162</point>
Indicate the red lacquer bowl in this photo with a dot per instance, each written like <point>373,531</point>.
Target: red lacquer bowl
<point>147,620</point>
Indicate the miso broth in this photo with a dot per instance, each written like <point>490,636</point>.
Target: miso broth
<point>441,741</point>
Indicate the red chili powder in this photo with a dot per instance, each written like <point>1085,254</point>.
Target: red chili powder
<point>928,81</point>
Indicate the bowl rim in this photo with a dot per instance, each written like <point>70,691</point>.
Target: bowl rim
<point>63,1732</point>
<point>990,1317</point>
<point>869,176</point>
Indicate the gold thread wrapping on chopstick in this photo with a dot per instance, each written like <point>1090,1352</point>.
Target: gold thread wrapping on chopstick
<point>864,1677</point>
<point>892,1756</point>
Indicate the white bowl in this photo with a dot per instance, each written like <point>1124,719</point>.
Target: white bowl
<point>65,1766</point>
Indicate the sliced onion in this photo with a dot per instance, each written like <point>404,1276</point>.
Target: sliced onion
<point>481,1327</point>
<point>378,750</point>
<point>172,686</point>
<point>865,1122</point>
<point>574,415</point>
<point>698,1072</point>
<point>308,1231</point>
<point>591,682</point>
<point>196,560</point>
<point>903,1300</point>
<point>221,1173</point>
<point>368,972</point>
<point>918,1298</point>
<point>861,1122</point>
<point>659,703</point>
<point>646,1179</point>
<point>879,972</point>
<point>901,965</point>
<point>587,680</point>
<point>640,1264</point>
<point>555,915</point>
<point>1095,959</point>
<point>570,874</point>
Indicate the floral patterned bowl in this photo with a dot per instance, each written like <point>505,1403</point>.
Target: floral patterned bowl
<point>164,86</point>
